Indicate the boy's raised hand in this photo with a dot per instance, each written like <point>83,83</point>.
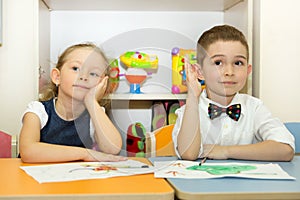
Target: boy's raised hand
<point>192,75</point>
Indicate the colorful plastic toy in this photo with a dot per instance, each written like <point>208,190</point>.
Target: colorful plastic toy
<point>172,117</point>
<point>135,77</point>
<point>113,76</point>
<point>159,115</point>
<point>178,72</point>
<point>138,59</point>
<point>135,142</point>
<point>137,63</point>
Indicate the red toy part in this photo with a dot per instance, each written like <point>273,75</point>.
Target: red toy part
<point>135,142</point>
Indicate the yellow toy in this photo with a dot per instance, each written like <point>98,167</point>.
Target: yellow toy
<point>137,59</point>
<point>178,72</point>
<point>137,63</point>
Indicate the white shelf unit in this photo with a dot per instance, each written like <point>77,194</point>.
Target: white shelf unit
<point>153,97</point>
<point>137,25</point>
<point>151,26</point>
<point>142,5</point>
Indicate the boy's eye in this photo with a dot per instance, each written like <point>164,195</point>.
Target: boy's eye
<point>74,68</point>
<point>218,63</point>
<point>239,63</point>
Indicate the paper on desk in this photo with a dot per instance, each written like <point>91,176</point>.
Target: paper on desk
<point>178,169</point>
<point>85,170</point>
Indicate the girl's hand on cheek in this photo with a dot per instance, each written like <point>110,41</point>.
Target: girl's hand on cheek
<point>101,88</point>
<point>97,92</point>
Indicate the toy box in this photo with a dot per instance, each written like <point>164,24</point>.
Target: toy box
<point>178,71</point>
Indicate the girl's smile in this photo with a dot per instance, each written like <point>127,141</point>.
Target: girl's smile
<point>81,86</point>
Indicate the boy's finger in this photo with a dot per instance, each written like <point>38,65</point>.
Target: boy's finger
<point>187,65</point>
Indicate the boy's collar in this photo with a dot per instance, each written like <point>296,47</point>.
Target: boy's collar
<point>234,100</point>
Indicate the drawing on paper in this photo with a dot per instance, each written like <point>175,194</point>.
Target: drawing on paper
<point>222,169</point>
<point>191,170</point>
<point>96,168</point>
<point>86,170</point>
<point>174,173</point>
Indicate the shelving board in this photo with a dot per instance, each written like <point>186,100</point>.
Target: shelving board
<point>130,96</point>
<point>141,5</point>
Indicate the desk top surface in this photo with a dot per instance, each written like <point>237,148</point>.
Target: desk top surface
<point>14,182</point>
<point>240,188</point>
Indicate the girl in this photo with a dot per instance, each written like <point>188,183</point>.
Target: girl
<point>68,120</point>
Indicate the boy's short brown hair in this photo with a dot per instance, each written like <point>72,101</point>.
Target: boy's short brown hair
<point>219,33</point>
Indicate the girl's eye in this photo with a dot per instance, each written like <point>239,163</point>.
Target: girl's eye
<point>74,68</point>
<point>94,74</point>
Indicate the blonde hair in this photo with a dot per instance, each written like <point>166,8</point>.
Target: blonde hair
<point>219,33</point>
<point>51,90</point>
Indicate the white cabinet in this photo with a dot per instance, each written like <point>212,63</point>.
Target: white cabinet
<point>150,26</point>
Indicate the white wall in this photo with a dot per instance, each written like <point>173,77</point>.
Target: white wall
<point>104,27</point>
<point>44,44</point>
<point>18,61</point>
<point>276,51</point>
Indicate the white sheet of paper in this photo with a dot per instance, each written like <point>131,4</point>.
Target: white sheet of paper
<point>85,170</point>
<point>177,169</point>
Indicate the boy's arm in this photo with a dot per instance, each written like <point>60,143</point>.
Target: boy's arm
<point>268,150</point>
<point>189,137</point>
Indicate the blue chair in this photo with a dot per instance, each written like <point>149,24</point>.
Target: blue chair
<point>294,128</point>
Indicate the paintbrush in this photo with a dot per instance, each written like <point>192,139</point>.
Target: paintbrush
<point>202,161</point>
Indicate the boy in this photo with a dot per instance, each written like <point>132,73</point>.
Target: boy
<point>219,122</point>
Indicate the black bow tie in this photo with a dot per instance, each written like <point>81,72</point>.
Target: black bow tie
<point>233,111</point>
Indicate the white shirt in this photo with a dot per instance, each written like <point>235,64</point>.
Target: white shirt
<point>255,124</point>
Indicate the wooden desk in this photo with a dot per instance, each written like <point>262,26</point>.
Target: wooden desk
<point>16,184</point>
<point>239,188</point>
